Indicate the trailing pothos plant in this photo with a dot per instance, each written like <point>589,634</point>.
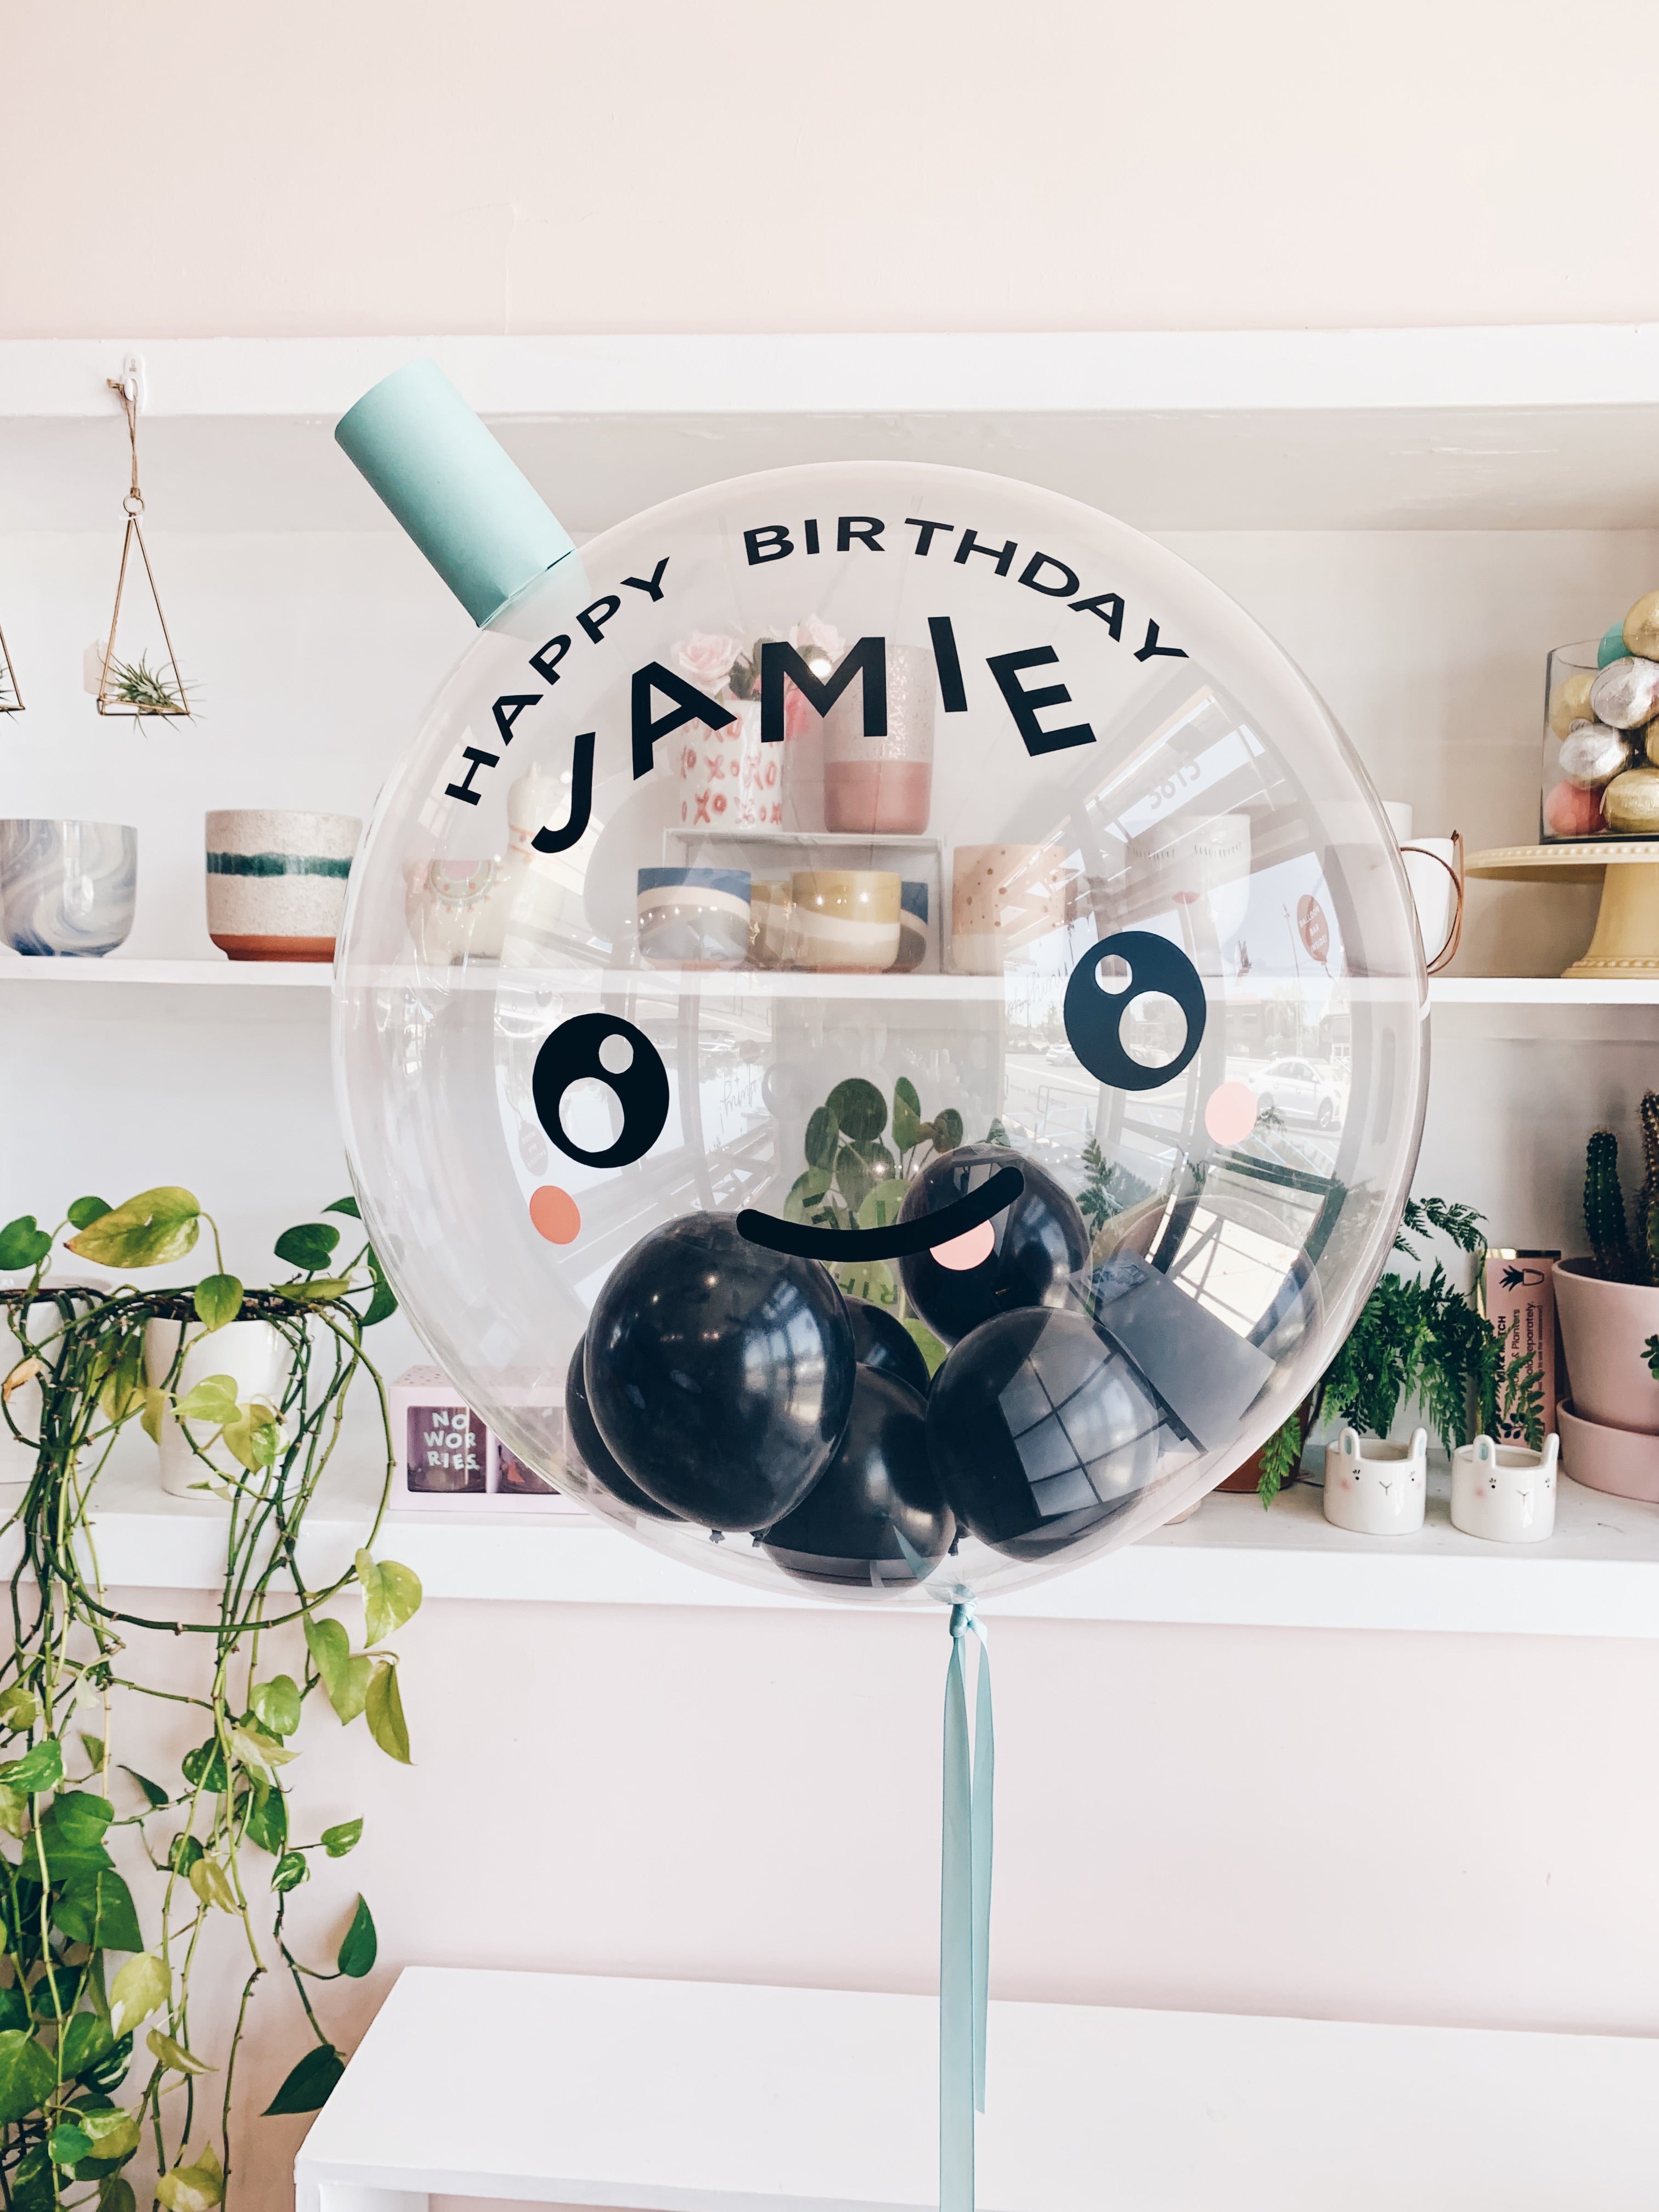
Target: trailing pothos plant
<point>1418,1337</point>
<point>102,2080</point>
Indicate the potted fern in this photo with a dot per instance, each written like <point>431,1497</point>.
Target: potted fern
<point>1418,1338</point>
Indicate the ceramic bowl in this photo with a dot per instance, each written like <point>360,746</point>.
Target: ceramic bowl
<point>915,939</point>
<point>1504,1492</point>
<point>67,887</point>
<point>694,917</point>
<point>277,882</point>
<point>844,921</point>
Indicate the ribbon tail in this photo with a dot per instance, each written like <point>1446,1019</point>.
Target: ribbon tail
<point>956,1952</point>
<point>964,1914</point>
<point>981,1828</point>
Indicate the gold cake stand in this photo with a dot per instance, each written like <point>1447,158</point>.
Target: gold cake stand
<point>1626,939</point>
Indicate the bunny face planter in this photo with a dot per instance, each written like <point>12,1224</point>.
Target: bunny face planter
<point>1504,1492</point>
<point>1376,1489</point>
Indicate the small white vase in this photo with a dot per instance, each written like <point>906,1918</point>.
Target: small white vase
<point>1374,1488</point>
<point>1504,1492</point>
<point>255,1354</point>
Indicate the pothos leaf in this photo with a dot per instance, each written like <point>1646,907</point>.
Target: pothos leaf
<point>174,2056</point>
<point>141,1987</point>
<point>309,2084</point>
<point>391,1595</point>
<point>347,1205</point>
<point>83,1212</point>
<point>344,1679</point>
<point>23,1244</point>
<point>277,1702</point>
<point>289,1871</point>
<point>218,1299</point>
<point>338,1841</point>
<point>385,1708</point>
<point>309,1247</point>
<point>360,1946</point>
<point>156,1227</point>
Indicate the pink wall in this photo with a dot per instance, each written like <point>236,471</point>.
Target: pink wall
<point>188,168</point>
<point>1443,1829</point>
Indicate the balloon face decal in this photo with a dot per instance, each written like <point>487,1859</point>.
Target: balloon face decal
<point>857,907</point>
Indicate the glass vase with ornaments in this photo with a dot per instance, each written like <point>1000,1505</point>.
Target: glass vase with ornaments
<point>1602,733</point>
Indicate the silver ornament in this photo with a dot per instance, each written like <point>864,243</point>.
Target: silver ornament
<point>1592,755</point>
<point>1626,692</point>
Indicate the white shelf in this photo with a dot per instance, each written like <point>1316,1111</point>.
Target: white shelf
<point>718,2097</point>
<point>1540,1002</point>
<point>1532,427</point>
<point>1232,1564</point>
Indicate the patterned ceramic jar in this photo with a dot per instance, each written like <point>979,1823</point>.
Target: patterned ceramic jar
<point>67,887</point>
<point>277,882</point>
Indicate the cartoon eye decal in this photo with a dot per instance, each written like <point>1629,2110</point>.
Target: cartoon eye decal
<point>1094,1018</point>
<point>640,1086</point>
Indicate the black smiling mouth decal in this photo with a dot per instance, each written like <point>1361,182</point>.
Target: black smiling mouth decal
<point>900,1241</point>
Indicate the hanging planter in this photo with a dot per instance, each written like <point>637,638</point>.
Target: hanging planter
<point>11,699</point>
<point>139,674</point>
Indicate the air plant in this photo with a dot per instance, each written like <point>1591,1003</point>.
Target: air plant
<point>148,690</point>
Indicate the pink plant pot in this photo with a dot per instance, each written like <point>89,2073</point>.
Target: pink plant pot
<point>1622,1461</point>
<point>1604,1327</point>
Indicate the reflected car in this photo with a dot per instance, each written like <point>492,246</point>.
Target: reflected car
<point>1300,1090</point>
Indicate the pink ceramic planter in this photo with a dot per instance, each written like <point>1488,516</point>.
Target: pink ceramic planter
<point>1621,1461</point>
<point>1604,1327</point>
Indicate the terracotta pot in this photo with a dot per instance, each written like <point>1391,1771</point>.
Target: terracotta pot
<point>1604,1327</point>
<point>1246,1477</point>
<point>1622,1461</point>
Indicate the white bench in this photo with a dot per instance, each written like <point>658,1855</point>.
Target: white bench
<point>712,2097</point>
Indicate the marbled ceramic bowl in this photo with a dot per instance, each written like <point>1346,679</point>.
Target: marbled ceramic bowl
<point>67,887</point>
<point>277,882</point>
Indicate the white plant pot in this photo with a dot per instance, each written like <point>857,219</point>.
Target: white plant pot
<point>1504,1492</point>
<point>256,1355</point>
<point>17,1459</point>
<point>1374,1488</point>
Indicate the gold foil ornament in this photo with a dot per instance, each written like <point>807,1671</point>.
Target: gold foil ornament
<point>1630,802</point>
<point>1642,627</point>
<point>1569,702</point>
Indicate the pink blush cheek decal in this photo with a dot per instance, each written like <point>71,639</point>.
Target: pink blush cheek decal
<point>1230,1112</point>
<point>971,1249</point>
<point>555,1214</point>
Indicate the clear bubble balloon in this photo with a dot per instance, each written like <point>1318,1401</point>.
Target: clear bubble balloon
<point>892,885</point>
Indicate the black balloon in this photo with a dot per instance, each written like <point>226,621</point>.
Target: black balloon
<point>882,1342</point>
<point>874,1519</point>
<point>720,1373</point>
<point>1041,1243</point>
<point>1040,1432</point>
<point>591,1450</point>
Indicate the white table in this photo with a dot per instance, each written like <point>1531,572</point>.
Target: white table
<point>713,2097</point>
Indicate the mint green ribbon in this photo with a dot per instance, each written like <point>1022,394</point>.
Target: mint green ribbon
<point>964,1935</point>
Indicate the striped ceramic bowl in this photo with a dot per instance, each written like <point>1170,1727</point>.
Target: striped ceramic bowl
<point>277,882</point>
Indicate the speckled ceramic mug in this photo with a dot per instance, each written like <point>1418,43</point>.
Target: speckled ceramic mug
<point>277,882</point>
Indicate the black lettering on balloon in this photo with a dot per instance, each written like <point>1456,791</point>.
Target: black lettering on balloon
<point>571,1054</point>
<point>928,531</point>
<point>952,693</point>
<point>1108,606</point>
<point>692,706</point>
<point>581,802</point>
<point>781,662</point>
<point>810,535</point>
<point>463,790</point>
<point>1152,649</point>
<point>1024,706</point>
<point>863,528</point>
<point>1034,568</point>
<point>650,585</point>
<point>508,711</point>
<point>546,662</point>
<point>594,617</point>
<point>1003,556</point>
<point>1094,1018</point>
<point>771,543</point>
